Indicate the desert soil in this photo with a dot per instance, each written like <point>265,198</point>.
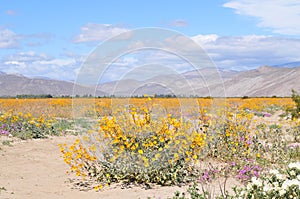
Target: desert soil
<point>34,169</point>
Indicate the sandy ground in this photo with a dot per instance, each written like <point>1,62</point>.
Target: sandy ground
<point>34,169</point>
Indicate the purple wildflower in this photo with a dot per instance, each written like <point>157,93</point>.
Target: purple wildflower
<point>4,132</point>
<point>267,114</point>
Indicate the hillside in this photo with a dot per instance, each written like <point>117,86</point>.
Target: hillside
<point>12,85</point>
<point>263,81</point>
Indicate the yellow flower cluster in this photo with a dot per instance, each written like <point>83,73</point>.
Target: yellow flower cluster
<point>62,107</point>
<point>20,119</point>
<point>132,145</point>
<point>26,126</point>
<point>77,157</point>
<point>232,136</point>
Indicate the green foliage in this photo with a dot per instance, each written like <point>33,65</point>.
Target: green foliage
<point>28,96</point>
<point>294,112</point>
<point>296,98</point>
<point>24,126</point>
<point>193,192</point>
<point>6,142</point>
<point>275,184</point>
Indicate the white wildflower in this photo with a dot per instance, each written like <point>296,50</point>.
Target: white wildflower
<point>267,188</point>
<point>288,183</point>
<point>294,165</point>
<point>256,181</point>
<point>279,176</point>
<point>282,192</point>
<point>249,186</point>
<point>274,171</point>
<point>292,173</point>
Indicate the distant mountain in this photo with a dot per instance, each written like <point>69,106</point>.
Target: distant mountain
<point>41,77</point>
<point>289,65</point>
<point>263,81</point>
<point>121,88</point>
<point>175,84</point>
<point>12,85</point>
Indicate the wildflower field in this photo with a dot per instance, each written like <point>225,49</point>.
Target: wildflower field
<point>219,148</point>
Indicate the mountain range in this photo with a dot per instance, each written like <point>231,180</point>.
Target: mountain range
<point>264,81</point>
<point>15,84</point>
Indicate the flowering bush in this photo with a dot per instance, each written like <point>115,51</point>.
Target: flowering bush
<point>26,126</point>
<point>231,137</point>
<point>131,147</point>
<point>276,184</point>
<point>295,112</point>
<point>248,170</point>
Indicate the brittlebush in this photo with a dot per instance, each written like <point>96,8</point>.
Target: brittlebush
<point>131,147</point>
<point>232,136</point>
<point>25,126</point>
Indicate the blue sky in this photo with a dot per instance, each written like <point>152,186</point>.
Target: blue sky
<point>53,38</point>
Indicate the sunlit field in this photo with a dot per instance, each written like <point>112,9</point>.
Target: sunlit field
<point>243,148</point>
<point>62,107</point>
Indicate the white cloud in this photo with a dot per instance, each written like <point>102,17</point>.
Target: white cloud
<point>141,65</point>
<point>126,61</point>
<point>34,64</point>
<point>58,62</point>
<point>29,56</point>
<point>249,51</point>
<point>203,39</point>
<point>282,16</point>
<point>92,32</point>
<point>8,39</point>
<point>238,53</point>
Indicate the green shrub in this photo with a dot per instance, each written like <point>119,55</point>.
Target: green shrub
<point>296,98</point>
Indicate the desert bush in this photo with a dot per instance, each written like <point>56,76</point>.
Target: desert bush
<point>294,111</point>
<point>230,136</point>
<point>25,126</point>
<point>135,148</point>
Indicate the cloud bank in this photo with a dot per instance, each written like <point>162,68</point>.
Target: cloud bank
<point>250,51</point>
<point>281,16</point>
<point>9,39</point>
<point>33,64</point>
<point>234,53</point>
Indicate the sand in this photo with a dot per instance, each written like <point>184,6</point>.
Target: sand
<point>34,169</point>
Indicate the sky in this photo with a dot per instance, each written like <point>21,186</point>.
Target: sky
<point>53,38</point>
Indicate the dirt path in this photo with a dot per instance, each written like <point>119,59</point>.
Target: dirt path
<point>34,169</point>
